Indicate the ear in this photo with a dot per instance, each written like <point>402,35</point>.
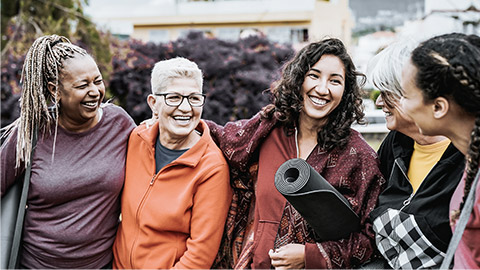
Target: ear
<point>152,103</point>
<point>53,90</point>
<point>441,107</point>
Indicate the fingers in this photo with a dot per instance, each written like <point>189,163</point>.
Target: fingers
<point>277,260</point>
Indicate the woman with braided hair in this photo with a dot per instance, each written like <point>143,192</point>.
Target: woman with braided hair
<point>442,95</point>
<point>77,163</point>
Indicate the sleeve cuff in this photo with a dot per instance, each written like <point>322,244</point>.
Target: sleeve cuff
<point>313,258</point>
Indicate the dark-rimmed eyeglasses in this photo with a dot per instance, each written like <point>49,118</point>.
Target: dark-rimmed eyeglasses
<point>174,99</point>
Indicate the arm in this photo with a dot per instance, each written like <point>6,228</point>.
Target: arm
<point>240,139</point>
<point>8,172</point>
<point>209,212</point>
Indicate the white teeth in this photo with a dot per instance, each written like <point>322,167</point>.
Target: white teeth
<point>181,117</point>
<point>91,104</point>
<point>318,101</point>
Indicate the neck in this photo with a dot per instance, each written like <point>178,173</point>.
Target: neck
<point>421,139</point>
<point>77,127</point>
<point>179,143</point>
<point>308,127</point>
<point>460,133</point>
<point>307,136</point>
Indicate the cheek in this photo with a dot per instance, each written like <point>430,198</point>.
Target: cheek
<point>338,93</point>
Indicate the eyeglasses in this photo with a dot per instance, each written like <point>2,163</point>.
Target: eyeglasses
<point>174,99</point>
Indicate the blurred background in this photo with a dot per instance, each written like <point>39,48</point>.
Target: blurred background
<point>240,45</point>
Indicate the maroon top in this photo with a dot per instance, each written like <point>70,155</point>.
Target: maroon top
<point>73,202</point>
<point>353,170</point>
<point>467,255</point>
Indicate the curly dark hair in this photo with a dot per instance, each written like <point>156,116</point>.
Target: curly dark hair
<point>288,100</point>
<point>449,66</point>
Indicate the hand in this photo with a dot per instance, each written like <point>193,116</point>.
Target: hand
<point>150,122</point>
<point>291,256</point>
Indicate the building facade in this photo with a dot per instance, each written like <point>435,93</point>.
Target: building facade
<point>285,21</point>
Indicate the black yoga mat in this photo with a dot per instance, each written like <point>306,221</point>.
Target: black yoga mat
<point>325,209</point>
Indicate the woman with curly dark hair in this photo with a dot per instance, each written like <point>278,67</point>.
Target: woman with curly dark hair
<point>314,103</point>
<point>442,94</point>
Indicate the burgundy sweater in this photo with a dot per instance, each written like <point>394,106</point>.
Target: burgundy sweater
<point>353,170</point>
<point>73,202</point>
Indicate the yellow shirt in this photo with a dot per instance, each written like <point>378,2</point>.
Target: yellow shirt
<point>424,157</point>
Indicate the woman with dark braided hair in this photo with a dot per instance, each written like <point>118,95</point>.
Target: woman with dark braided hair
<point>78,161</point>
<point>314,103</point>
<point>442,94</point>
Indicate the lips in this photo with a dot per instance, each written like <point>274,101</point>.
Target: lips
<point>90,104</point>
<point>318,101</point>
<point>182,118</point>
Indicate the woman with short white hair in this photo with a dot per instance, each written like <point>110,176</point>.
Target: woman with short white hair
<point>177,189</point>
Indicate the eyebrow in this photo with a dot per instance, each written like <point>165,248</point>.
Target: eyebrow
<point>86,80</point>
<point>333,74</point>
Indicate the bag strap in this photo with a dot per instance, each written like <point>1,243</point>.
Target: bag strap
<point>461,224</point>
<point>17,235</point>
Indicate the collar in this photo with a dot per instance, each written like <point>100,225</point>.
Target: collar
<point>191,157</point>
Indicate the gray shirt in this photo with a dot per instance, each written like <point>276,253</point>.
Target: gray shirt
<point>74,201</point>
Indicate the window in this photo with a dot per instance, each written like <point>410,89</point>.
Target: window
<point>288,35</point>
<point>229,33</point>
<point>158,36</point>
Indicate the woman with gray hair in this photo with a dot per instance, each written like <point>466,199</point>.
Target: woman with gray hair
<point>422,173</point>
<point>78,162</point>
<point>177,190</point>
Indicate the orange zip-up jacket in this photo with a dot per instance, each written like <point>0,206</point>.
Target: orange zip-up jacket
<point>175,218</point>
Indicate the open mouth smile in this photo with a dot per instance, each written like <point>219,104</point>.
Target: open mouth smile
<point>318,101</point>
<point>90,104</point>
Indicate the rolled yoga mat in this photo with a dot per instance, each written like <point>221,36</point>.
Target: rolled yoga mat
<point>325,209</point>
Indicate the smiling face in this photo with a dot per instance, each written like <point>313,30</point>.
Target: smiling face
<point>322,89</point>
<point>395,117</point>
<point>81,91</point>
<point>177,123</point>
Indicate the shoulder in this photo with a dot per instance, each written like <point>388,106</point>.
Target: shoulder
<point>118,117</point>
<point>117,113</point>
<point>213,155</point>
<point>359,145</point>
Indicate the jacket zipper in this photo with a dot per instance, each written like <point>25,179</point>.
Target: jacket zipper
<point>137,217</point>
<point>409,199</point>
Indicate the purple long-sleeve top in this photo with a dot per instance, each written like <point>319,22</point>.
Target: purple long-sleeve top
<point>73,201</point>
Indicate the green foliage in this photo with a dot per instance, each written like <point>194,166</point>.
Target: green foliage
<point>374,95</point>
<point>23,21</point>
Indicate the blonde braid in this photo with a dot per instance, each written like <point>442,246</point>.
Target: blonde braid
<point>42,65</point>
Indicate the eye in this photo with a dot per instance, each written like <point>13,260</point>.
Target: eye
<point>313,75</point>
<point>82,86</point>
<point>194,98</point>
<point>336,82</point>
<point>99,81</point>
<point>173,97</point>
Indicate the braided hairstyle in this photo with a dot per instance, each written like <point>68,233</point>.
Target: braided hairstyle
<point>43,64</point>
<point>449,66</point>
<point>288,100</point>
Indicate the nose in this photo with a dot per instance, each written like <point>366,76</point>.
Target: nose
<point>379,101</point>
<point>184,105</point>
<point>322,88</point>
<point>94,90</point>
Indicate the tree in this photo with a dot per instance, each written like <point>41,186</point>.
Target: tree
<point>236,74</point>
